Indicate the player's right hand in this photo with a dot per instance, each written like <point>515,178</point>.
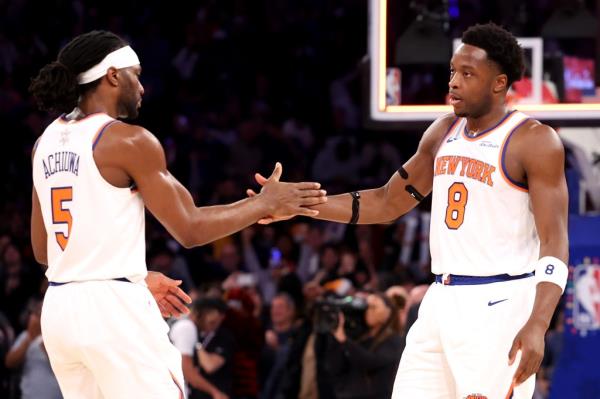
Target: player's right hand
<point>286,200</point>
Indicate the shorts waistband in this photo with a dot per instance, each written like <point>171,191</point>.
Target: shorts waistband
<point>56,284</point>
<point>456,279</point>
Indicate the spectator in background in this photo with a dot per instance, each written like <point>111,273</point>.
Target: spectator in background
<point>206,350</point>
<point>243,320</point>
<point>7,336</point>
<point>277,343</point>
<point>279,272</point>
<point>310,246</point>
<point>161,258</point>
<point>228,261</point>
<point>17,283</point>
<point>37,379</point>
<point>366,368</point>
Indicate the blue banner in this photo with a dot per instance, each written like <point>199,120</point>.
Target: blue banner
<point>577,373</point>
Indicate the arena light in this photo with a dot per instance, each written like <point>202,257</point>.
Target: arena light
<point>380,111</point>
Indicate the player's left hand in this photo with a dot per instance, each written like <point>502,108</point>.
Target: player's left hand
<point>530,341</point>
<point>170,298</point>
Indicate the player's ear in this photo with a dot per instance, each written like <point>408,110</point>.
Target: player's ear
<point>112,75</point>
<point>500,83</point>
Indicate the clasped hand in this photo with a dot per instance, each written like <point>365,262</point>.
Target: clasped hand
<point>286,200</point>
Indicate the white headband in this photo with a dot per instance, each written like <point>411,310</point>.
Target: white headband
<point>121,58</point>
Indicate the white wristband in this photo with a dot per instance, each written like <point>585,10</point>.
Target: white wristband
<point>552,270</point>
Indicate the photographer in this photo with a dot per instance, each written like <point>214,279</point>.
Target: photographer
<point>365,368</point>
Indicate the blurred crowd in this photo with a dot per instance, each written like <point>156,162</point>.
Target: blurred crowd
<point>231,87</point>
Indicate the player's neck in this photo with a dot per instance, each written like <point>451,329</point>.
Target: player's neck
<point>489,120</point>
<point>95,104</point>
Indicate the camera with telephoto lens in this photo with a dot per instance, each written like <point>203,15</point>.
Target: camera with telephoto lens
<point>326,317</point>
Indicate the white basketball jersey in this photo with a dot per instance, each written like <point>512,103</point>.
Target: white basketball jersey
<point>481,221</point>
<point>95,230</point>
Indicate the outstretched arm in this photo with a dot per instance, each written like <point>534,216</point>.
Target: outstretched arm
<point>143,159</point>
<point>544,169</point>
<point>387,203</point>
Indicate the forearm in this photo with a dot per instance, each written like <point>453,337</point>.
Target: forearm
<point>16,356</point>
<point>547,297</point>
<point>374,207</point>
<point>213,222</point>
<point>195,379</point>
<point>548,294</point>
<point>210,362</point>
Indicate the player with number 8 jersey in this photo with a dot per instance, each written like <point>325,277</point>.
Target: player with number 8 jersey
<point>471,193</point>
<point>498,238</point>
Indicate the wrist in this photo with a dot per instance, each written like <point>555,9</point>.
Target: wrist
<point>539,322</point>
<point>262,205</point>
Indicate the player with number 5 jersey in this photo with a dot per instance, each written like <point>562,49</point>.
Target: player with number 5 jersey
<point>93,177</point>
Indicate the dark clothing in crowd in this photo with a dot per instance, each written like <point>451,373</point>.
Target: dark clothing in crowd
<point>361,372</point>
<point>221,343</point>
<point>291,379</point>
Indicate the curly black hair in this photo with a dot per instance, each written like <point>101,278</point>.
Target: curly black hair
<point>55,88</point>
<point>501,47</point>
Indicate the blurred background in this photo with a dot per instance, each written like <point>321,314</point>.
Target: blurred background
<point>231,87</point>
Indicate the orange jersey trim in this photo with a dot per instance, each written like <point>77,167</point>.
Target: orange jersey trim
<point>510,391</point>
<point>501,155</point>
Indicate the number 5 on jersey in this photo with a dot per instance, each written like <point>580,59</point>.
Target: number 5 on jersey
<point>458,196</point>
<point>60,215</point>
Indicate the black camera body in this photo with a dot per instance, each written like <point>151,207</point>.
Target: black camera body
<point>326,317</point>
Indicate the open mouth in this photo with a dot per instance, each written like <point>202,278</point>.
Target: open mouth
<point>453,99</point>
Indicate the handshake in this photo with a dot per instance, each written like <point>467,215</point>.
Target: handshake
<point>283,200</point>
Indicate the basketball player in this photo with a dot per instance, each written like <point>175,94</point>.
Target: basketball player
<point>93,175</point>
<point>498,232</point>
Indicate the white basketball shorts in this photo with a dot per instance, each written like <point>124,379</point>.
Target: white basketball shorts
<point>458,347</point>
<point>107,339</point>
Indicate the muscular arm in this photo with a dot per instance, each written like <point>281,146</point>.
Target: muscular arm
<point>39,237</point>
<point>139,154</point>
<point>544,169</point>
<point>386,203</point>
<point>549,199</point>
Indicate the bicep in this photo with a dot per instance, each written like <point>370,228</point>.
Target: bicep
<point>164,196</point>
<point>548,192</point>
<point>416,175</point>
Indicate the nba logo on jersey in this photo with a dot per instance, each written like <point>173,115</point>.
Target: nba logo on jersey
<point>586,298</point>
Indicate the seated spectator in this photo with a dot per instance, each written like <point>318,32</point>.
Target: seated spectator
<point>366,368</point>
<point>206,350</point>
<point>28,352</point>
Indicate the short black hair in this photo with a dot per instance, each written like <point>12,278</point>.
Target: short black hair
<point>203,305</point>
<point>55,88</point>
<point>501,47</point>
